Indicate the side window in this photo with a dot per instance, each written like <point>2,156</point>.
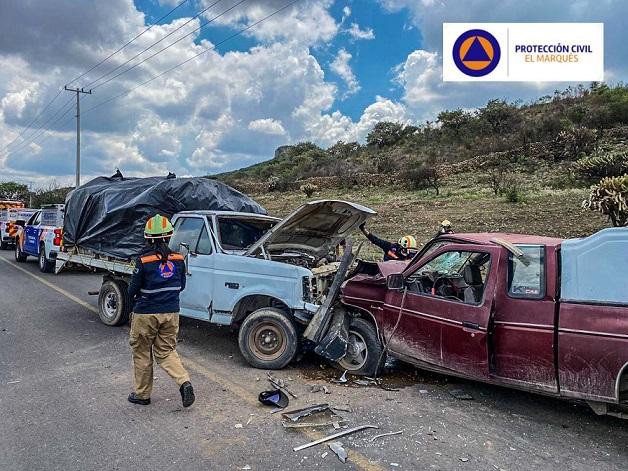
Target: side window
<point>204,243</point>
<point>455,275</point>
<point>526,278</point>
<point>35,218</point>
<point>187,231</point>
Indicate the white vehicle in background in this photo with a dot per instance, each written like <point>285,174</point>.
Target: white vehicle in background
<point>41,237</point>
<point>12,215</point>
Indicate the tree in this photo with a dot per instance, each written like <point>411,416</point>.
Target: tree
<point>385,133</point>
<point>501,116</point>
<point>496,178</point>
<point>309,189</point>
<point>610,197</point>
<point>424,175</point>
<point>343,150</point>
<point>574,142</point>
<point>455,120</point>
<point>13,191</point>
<point>52,194</point>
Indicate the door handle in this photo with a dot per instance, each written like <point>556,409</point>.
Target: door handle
<point>470,325</point>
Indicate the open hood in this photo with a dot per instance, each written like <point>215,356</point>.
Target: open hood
<point>313,228</point>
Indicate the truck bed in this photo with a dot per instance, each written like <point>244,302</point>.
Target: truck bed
<point>88,259</point>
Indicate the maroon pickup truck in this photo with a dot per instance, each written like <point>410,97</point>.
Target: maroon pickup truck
<point>534,313</point>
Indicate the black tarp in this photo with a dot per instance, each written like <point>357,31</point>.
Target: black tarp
<point>108,215</point>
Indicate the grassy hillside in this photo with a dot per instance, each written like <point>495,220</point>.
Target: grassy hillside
<point>571,122</point>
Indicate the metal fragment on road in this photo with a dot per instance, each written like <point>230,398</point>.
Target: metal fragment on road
<point>343,378</point>
<point>278,383</point>
<point>334,436</point>
<point>460,394</point>
<point>464,460</point>
<point>339,450</point>
<point>14,382</point>
<point>386,434</point>
<point>315,416</point>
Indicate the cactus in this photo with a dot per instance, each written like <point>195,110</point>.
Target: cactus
<point>610,197</point>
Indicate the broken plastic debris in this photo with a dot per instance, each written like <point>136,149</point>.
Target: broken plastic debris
<point>460,394</point>
<point>464,460</point>
<point>324,455</point>
<point>340,452</point>
<point>423,391</point>
<point>239,425</point>
<point>245,467</point>
<point>394,464</point>
<point>387,434</point>
<point>14,382</point>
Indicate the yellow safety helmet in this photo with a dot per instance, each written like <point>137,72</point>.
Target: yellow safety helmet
<point>157,227</point>
<point>445,223</point>
<point>408,242</point>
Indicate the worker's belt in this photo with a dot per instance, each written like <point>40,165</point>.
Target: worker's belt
<point>160,290</point>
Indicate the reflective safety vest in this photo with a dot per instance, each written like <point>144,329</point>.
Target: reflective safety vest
<point>156,283</point>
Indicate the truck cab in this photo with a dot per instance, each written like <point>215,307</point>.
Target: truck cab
<point>41,237</point>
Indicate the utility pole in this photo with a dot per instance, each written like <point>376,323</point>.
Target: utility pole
<point>78,92</point>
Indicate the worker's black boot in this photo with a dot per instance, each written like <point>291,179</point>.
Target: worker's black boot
<point>138,400</point>
<point>187,394</point>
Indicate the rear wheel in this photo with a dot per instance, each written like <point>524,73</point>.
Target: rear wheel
<point>19,255</point>
<point>4,245</point>
<point>113,303</point>
<point>45,265</point>
<point>268,339</point>
<point>364,351</point>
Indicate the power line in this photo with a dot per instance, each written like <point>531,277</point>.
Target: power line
<point>50,118</point>
<point>91,84</point>
<point>170,45</point>
<point>46,133</point>
<point>213,46</point>
<point>35,118</point>
<point>127,43</point>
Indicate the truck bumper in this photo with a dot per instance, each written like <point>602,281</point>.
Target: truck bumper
<point>333,345</point>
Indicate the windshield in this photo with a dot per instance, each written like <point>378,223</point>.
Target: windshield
<point>447,263</point>
<point>241,233</point>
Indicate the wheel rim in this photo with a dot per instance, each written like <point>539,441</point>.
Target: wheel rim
<point>110,305</point>
<point>268,341</point>
<point>357,352</point>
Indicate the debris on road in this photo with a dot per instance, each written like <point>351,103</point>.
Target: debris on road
<point>275,397</point>
<point>319,415</point>
<point>339,450</point>
<point>461,395</point>
<point>386,435</point>
<point>280,384</point>
<point>464,460</point>
<point>318,388</point>
<point>343,378</point>
<point>14,382</point>
<point>324,455</point>
<point>245,467</point>
<point>334,436</point>
<point>239,425</point>
<point>396,465</point>
<point>342,408</point>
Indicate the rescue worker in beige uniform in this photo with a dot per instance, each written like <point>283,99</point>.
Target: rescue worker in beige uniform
<point>158,278</point>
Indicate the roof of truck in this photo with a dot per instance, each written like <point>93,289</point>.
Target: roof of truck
<point>485,238</point>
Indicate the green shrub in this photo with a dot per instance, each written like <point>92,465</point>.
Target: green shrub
<point>309,189</point>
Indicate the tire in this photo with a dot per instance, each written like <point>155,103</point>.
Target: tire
<point>19,255</point>
<point>4,245</point>
<point>45,265</point>
<point>268,339</point>
<point>114,305</point>
<point>364,351</point>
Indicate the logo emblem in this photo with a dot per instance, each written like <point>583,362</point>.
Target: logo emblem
<point>166,270</point>
<point>476,53</point>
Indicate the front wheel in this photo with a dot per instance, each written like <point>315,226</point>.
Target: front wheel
<point>19,255</point>
<point>4,245</point>
<point>45,265</point>
<point>364,353</point>
<point>113,303</point>
<point>268,339</point>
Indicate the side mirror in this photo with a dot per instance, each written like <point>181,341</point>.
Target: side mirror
<point>396,281</point>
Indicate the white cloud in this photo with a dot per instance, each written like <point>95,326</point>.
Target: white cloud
<point>267,126</point>
<point>341,67</point>
<point>346,12</point>
<point>356,33</point>
<point>421,76</point>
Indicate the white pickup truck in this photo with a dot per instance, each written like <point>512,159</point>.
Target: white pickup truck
<point>10,219</point>
<point>267,276</point>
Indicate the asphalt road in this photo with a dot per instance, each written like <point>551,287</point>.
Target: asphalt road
<point>64,379</point>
